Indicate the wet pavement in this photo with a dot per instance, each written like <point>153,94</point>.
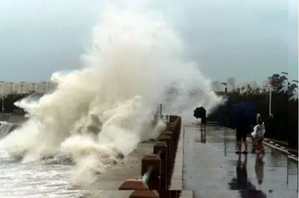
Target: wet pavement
<point>212,169</point>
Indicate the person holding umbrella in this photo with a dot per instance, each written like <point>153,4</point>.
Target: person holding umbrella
<point>243,113</point>
<point>200,112</point>
<point>242,130</point>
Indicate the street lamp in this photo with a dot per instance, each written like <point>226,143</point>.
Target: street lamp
<point>225,84</point>
<point>285,121</point>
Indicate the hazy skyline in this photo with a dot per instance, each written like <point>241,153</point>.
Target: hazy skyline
<point>245,40</point>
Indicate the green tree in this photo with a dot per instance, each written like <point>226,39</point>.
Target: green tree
<point>284,124</point>
<point>276,81</point>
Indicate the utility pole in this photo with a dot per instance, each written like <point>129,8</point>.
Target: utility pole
<point>270,102</point>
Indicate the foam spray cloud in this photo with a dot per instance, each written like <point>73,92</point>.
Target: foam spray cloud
<point>135,63</point>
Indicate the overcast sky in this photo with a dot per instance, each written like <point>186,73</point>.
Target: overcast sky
<point>249,40</point>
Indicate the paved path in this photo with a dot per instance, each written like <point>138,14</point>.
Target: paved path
<point>212,169</point>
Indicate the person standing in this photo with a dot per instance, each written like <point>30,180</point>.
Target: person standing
<point>260,132</point>
<point>243,129</point>
<point>253,134</point>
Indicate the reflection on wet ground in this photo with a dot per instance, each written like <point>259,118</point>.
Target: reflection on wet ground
<point>241,182</point>
<point>212,169</point>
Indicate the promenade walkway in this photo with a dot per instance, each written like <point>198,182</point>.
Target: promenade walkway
<point>213,170</point>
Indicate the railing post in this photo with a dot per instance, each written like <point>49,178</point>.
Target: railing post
<point>154,178</point>
<point>167,140</point>
<point>172,146</point>
<point>162,147</point>
<point>172,118</point>
<point>157,168</point>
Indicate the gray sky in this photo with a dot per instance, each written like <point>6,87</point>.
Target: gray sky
<point>249,40</point>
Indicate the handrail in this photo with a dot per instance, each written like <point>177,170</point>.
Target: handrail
<point>145,178</point>
<point>157,168</point>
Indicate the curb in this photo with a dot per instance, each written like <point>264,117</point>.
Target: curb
<point>280,148</point>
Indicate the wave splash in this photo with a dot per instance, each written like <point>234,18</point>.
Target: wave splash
<point>96,116</point>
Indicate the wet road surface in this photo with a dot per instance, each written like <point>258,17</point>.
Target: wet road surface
<point>212,169</point>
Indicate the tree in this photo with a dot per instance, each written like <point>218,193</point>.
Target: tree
<point>276,82</point>
<point>284,124</point>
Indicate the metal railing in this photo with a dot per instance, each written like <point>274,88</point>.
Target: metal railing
<point>157,168</point>
<point>145,178</point>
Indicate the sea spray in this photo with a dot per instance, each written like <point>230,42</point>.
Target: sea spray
<point>98,114</point>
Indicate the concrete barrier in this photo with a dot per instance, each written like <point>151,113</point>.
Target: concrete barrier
<point>157,168</point>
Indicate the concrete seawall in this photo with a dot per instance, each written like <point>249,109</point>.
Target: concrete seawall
<point>177,176</point>
<point>107,185</point>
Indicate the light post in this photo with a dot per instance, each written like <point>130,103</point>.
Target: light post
<point>270,101</point>
<point>285,121</point>
<point>225,92</point>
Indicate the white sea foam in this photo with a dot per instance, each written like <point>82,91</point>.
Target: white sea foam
<point>102,109</point>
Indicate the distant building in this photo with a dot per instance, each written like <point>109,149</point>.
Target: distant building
<point>4,88</point>
<point>228,86</point>
<point>26,87</point>
<point>216,86</point>
<point>232,82</point>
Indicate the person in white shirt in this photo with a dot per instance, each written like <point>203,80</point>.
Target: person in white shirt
<point>258,135</point>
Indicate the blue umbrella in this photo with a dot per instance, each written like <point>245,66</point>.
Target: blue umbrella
<point>243,113</point>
